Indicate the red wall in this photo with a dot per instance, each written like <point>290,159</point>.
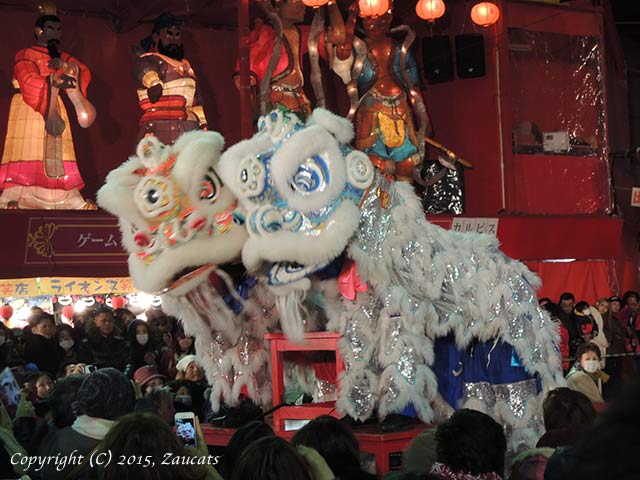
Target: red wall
<point>465,116</point>
<point>110,141</point>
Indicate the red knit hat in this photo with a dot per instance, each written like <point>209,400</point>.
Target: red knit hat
<point>145,374</point>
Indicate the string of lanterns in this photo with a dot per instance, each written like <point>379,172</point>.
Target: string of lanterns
<point>72,304</point>
<point>483,14</point>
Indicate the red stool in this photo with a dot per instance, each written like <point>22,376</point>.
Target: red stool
<point>313,341</point>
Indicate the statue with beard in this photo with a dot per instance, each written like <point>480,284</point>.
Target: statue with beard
<point>167,89</point>
<point>39,168</point>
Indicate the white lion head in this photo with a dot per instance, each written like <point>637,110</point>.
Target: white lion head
<point>301,185</point>
<point>174,211</point>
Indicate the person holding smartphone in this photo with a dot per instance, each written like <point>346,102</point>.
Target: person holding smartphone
<point>143,446</point>
<point>186,428</point>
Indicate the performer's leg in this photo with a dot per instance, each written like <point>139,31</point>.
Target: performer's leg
<point>407,383</point>
<point>358,384</point>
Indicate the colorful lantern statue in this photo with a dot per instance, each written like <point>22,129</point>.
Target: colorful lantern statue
<point>39,167</point>
<point>389,114</point>
<point>277,50</point>
<point>167,87</point>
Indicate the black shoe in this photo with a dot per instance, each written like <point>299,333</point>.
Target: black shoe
<point>235,417</point>
<point>355,424</point>
<point>396,423</point>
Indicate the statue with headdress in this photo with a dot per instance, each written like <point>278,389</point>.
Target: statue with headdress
<point>168,94</point>
<point>39,168</point>
<point>389,114</point>
<point>390,118</point>
<point>277,47</point>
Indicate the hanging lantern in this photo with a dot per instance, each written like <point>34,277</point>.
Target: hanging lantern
<point>485,14</point>
<point>315,3</point>
<point>373,8</point>
<point>6,312</point>
<point>117,302</point>
<point>430,10</point>
<point>68,312</point>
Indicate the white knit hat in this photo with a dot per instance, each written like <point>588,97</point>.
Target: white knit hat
<point>185,361</point>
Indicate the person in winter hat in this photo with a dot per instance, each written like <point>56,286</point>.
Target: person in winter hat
<point>104,396</point>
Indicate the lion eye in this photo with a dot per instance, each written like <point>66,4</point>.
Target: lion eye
<point>311,176</point>
<point>153,196</point>
<point>208,189</point>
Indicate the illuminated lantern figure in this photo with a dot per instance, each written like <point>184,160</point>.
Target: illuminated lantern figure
<point>167,90</point>
<point>39,167</point>
<point>277,50</point>
<point>485,14</point>
<point>430,10</point>
<point>315,3</point>
<point>388,111</point>
<point>373,8</point>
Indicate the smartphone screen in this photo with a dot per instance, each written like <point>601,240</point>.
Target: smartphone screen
<point>186,430</point>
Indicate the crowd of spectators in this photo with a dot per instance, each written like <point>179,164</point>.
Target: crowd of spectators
<point>599,342</point>
<point>112,383</point>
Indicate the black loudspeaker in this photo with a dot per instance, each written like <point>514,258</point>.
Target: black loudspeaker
<point>470,56</point>
<point>437,59</point>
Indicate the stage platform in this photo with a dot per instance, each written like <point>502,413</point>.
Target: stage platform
<point>384,446</point>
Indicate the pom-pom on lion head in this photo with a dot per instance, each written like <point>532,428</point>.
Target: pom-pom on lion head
<point>174,211</point>
<point>301,184</point>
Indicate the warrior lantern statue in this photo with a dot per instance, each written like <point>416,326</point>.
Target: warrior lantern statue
<point>39,168</point>
<point>276,55</point>
<point>167,86</point>
<point>389,114</point>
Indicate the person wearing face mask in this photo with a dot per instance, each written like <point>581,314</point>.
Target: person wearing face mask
<point>141,344</point>
<point>586,376</point>
<point>188,396</point>
<point>66,339</point>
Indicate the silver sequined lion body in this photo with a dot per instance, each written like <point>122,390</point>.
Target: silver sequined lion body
<point>431,319</point>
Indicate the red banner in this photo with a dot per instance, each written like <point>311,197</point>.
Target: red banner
<point>68,240</point>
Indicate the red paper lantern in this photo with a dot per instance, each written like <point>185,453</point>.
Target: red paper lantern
<point>6,312</point>
<point>373,8</point>
<point>118,302</point>
<point>485,14</point>
<point>430,9</point>
<point>315,3</point>
<point>68,312</point>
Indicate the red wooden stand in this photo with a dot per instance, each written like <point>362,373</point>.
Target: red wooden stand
<point>313,341</point>
<point>370,439</point>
